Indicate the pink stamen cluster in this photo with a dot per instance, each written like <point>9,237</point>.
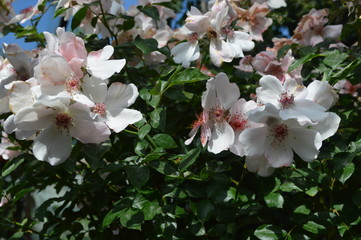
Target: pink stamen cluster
<point>63,121</point>
<point>99,108</point>
<point>286,100</point>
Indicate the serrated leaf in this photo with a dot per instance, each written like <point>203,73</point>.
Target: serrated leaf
<point>11,166</point>
<point>274,200</point>
<point>165,141</point>
<point>146,45</point>
<point>78,17</point>
<point>269,232</point>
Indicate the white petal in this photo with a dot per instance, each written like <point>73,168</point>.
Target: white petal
<point>105,69</point>
<point>52,146</point>
<point>279,154</point>
<point>305,142</point>
<point>89,132</point>
<point>259,165</point>
<point>121,95</point>
<point>20,96</point>
<point>254,141</point>
<point>304,110</point>
<point>94,88</point>
<point>328,126</point>
<point>121,118</point>
<point>220,51</point>
<point>322,93</point>
<point>270,90</point>
<point>227,92</point>
<point>277,3</point>
<point>31,118</point>
<point>221,139</point>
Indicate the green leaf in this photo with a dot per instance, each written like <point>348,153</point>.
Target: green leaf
<point>144,130</point>
<point>269,232</point>
<point>11,166</point>
<point>301,61</point>
<point>78,17</point>
<point>312,191</point>
<point>165,141</point>
<point>21,194</point>
<point>189,159</point>
<point>155,117</point>
<point>59,12</point>
<point>132,218</point>
<point>151,209</point>
<point>146,45</point>
<point>205,209</point>
<point>302,210</point>
<point>150,11</point>
<point>274,200</point>
<point>189,75</point>
<point>345,173</point>
<point>313,227</point>
<point>289,187</point>
<point>17,235</point>
<point>335,59</point>
<point>138,175</point>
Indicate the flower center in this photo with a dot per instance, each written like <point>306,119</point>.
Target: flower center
<point>193,37</point>
<point>238,123</point>
<point>99,108</point>
<point>212,33</point>
<point>229,32</point>
<point>73,84</point>
<point>286,100</point>
<point>63,121</point>
<point>280,132</point>
<point>218,114</point>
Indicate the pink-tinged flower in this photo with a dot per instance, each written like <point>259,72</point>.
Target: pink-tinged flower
<point>322,93</point>
<point>58,124</point>
<point>99,65</point>
<point>254,20</point>
<point>238,120</point>
<point>277,139</point>
<point>311,30</point>
<point>197,22</point>
<point>290,99</point>
<point>186,52</point>
<point>26,14</point>
<point>272,3</point>
<point>346,87</point>
<point>266,63</point>
<point>245,64</point>
<point>111,105</point>
<point>217,100</point>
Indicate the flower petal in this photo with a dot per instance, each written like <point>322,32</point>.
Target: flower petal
<point>121,118</point>
<point>52,146</point>
<point>221,139</point>
<point>305,142</point>
<point>121,95</point>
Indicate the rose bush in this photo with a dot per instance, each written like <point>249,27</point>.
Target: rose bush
<point>241,123</point>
